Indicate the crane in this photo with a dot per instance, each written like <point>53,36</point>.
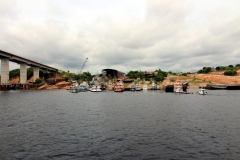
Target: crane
<point>83,66</point>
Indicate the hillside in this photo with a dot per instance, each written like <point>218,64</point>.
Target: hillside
<point>197,80</point>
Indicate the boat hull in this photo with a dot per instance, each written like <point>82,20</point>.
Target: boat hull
<point>96,91</point>
<point>178,90</point>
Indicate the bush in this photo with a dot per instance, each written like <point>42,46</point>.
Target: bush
<point>230,73</point>
<point>37,81</point>
<point>147,79</point>
<point>205,70</point>
<point>66,79</point>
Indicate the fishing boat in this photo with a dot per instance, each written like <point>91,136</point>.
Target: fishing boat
<point>95,89</point>
<point>118,86</point>
<point>138,87</point>
<point>202,91</point>
<point>178,88</point>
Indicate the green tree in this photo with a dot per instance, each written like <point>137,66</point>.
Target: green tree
<point>29,73</point>
<point>132,74</point>
<point>85,76</point>
<point>217,68</point>
<point>14,73</point>
<point>161,75</point>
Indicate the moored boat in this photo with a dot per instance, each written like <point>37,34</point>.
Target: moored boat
<point>118,86</point>
<point>132,88</point>
<point>145,87</point>
<point>74,88</point>
<point>82,88</point>
<point>178,88</point>
<point>202,91</point>
<point>95,89</point>
<point>138,87</point>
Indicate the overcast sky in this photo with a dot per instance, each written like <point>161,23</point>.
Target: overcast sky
<point>173,35</point>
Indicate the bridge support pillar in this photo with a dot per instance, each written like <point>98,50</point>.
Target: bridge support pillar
<point>35,73</point>
<point>4,70</point>
<point>23,73</point>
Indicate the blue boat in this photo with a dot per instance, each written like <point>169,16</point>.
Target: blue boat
<point>82,88</point>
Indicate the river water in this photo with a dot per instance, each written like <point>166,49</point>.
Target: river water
<point>58,124</point>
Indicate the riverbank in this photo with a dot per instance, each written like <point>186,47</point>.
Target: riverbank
<point>195,81</point>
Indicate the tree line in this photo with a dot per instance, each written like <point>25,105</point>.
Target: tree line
<point>16,73</point>
<point>229,70</point>
<point>159,76</point>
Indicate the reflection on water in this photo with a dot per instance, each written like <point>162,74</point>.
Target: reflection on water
<point>128,125</point>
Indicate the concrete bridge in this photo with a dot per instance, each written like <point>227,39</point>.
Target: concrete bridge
<point>24,62</point>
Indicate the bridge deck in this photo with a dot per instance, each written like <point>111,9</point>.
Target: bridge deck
<point>19,59</point>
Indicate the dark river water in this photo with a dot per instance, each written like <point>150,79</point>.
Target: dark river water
<point>129,125</point>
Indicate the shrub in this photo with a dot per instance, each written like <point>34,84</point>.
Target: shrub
<point>230,73</point>
<point>37,81</point>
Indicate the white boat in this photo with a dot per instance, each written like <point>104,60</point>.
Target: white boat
<point>138,87</point>
<point>178,88</point>
<point>202,91</point>
<point>132,88</point>
<point>153,87</point>
<point>145,87</point>
<point>95,89</point>
<point>74,88</point>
